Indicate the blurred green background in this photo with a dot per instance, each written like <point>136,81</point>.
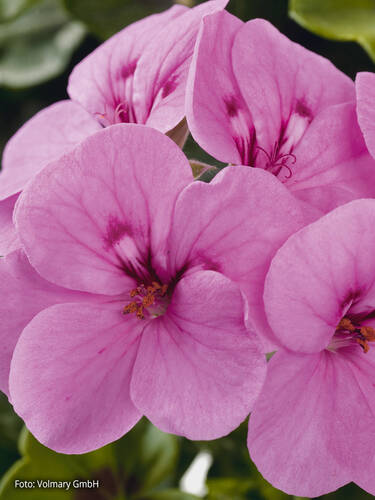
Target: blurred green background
<point>40,42</point>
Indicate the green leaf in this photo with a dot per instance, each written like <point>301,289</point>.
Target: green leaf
<point>10,426</point>
<point>232,475</point>
<point>148,456</point>
<point>229,488</point>
<point>140,463</point>
<point>10,9</point>
<point>41,463</point>
<point>349,20</point>
<point>197,155</point>
<point>170,495</point>
<point>349,492</point>
<point>203,171</point>
<point>37,46</point>
<point>105,18</point>
<point>252,488</point>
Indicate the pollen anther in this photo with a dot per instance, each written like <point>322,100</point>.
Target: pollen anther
<point>144,298</point>
<point>360,334</point>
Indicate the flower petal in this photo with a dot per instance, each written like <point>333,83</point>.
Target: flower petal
<point>216,111</point>
<point>313,423</point>
<point>318,273</point>
<point>198,370</point>
<point>365,88</point>
<point>332,162</point>
<point>103,207</point>
<point>8,236</point>
<point>24,294</point>
<point>70,376</point>
<point>234,225</point>
<point>44,138</point>
<point>161,75</point>
<point>283,84</point>
<point>103,81</point>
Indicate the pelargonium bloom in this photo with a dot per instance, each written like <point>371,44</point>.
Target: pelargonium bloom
<point>133,301</point>
<point>137,76</point>
<point>256,98</point>
<point>312,430</point>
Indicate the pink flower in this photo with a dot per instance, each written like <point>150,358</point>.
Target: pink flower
<point>365,89</point>
<point>256,98</point>
<point>137,76</point>
<point>134,302</point>
<point>312,430</point>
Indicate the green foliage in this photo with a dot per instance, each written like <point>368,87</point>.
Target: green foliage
<point>170,495</point>
<point>104,18</point>
<point>349,492</point>
<point>37,45</point>
<point>10,426</point>
<point>233,476</point>
<point>273,10</point>
<point>253,488</point>
<point>138,466</point>
<point>9,9</point>
<point>352,20</point>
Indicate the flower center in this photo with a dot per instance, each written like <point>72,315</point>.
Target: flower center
<point>347,332</point>
<point>152,300</point>
<point>277,161</point>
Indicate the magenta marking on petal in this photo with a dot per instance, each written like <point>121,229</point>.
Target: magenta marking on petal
<point>303,110</point>
<point>349,300</point>
<point>210,265</point>
<point>115,231</point>
<point>246,148</point>
<point>169,87</point>
<point>128,69</point>
<point>231,105</point>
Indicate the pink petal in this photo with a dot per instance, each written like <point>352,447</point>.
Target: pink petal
<point>70,376</point>
<point>198,370</point>
<point>23,294</point>
<point>103,81</point>
<point>313,423</point>
<point>216,112</point>
<point>101,207</point>
<point>365,88</point>
<point>363,371</point>
<point>283,84</point>
<point>318,273</point>
<point>161,75</point>
<point>44,138</point>
<point>8,236</point>
<point>332,163</point>
<point>235,225</point>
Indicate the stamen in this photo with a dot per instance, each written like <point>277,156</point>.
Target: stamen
<point>131,308</point>
<point>273,161</point>
<point>145,298</point>
<point>346,324</point>
<point>360,334</point>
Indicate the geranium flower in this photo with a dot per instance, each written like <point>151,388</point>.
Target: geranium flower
<point>146,270</point>
<point>130,78</point>
<point>255,98</point>
<point>312,428</point>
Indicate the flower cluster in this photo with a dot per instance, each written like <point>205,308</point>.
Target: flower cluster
<point>130,288</point>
